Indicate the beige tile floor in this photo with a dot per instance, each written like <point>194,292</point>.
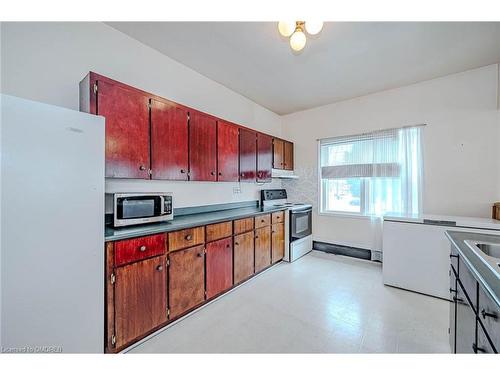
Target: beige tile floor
<point>321,303</point>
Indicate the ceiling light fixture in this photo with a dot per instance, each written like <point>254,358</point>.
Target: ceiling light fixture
<point>296,31</point>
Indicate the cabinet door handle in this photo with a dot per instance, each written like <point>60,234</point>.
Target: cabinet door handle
<point>188,237</point>
<point>453,290</point>
<point>457,299</point>
<point>142,248</point>
<point>142,168</point>
<point>453,256</point>
<point>159,268</point>
<point>477,349</point>
<point>487,314</point>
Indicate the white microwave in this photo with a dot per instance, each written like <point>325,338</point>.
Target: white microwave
<point>141,208</point>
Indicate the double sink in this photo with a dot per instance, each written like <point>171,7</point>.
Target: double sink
<point>488,252</point>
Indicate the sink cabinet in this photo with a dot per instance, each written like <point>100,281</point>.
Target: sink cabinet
<point>474,316</point>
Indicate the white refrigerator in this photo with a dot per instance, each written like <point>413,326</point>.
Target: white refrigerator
<point>52,229</point>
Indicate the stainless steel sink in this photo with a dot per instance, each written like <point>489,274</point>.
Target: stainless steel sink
<point>490,249</point>
<point>489,252</point>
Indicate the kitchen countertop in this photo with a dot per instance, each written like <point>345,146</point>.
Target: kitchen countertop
<point>459,221</point>
<point>185,221</point>
<point>482,272</point>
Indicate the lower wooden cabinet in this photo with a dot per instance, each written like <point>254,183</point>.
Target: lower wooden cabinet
<point>186,280</point>
<point>277,242</point>
<point>140,299</point>
<point>243,256</point>
<point>262,248</point>
<point>219,266</point>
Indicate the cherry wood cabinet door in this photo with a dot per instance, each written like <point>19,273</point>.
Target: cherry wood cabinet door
<point>169,141</point>
<point>186,280</point>
<point>202,147</point>
<point>248,155</point>
<point>277,242</point>
<point>264,157</point>
<point>278,153</point>
<point>288,155</point>
<point>127,130</point>
<point>243,256</point>
<point>227,152</point>
<point>219,266</point>
<point>140,299</point>
<point>262,248</point>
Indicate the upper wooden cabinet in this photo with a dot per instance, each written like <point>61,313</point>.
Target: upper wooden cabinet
<point>227,151</point>
<point>127,125</point>
<point>149,137</point>
<point>278,150</point>
<point>202,147</point>
<point>169,141</point>
<point>288,156</point>
<point>248,155</point>
<point>264,157</point>
<point>282,154</point>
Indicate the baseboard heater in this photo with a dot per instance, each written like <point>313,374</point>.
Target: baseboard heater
<point>350,251</point>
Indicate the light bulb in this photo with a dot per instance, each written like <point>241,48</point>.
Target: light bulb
<point>298,40</point>
<point>286,28</point>
<point>314,27</point>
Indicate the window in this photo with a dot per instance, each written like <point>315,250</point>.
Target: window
<point>372,174</point>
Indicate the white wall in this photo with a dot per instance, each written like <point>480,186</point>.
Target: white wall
<point>46,61</point>
<point>460,144</point>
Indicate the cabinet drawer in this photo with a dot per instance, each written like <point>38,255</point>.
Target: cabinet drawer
<point>243,225</point>
<point>278,217</point>
<point>489,315</point>
<point>132,250</point>
<point>262,221</point>
<point>468,282</point>
<point>219,230</point>
<point>186,238</point>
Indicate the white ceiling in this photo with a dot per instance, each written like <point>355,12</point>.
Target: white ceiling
<point>346,59</point>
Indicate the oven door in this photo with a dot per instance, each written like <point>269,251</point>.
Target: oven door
<point>300,224</point>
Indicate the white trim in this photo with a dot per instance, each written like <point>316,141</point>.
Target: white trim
<point>347,215</point>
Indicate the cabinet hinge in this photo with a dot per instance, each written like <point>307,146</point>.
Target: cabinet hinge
<point>150,171</point>
<point>204,250</point>
<point>205,293</point>
<point>168,312</point>
<point>113,278</point>
<point>189,117</point>
<point>113,340</point>
<point>149,105</point>
<point>168,262</point>
<point>95,88</point>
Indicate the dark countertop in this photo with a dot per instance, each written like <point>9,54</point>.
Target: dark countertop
<point>185,221</point>
<point>488,280</point>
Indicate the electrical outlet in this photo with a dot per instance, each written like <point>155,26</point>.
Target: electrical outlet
<point>236,190</point>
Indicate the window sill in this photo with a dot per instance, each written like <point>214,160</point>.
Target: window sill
<point>347,215</point>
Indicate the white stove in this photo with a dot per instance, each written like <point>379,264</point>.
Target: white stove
<point>298,222</point>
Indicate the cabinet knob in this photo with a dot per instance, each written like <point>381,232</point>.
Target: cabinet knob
<point>262,220</point>
<point>273,231</point>
<point>487,314</point>
<point>183,171</point>
<point>159,268</point>
<point>220,173</point>
<point>142,248</point>
<point>256,236</point>
<point>212,173</point>
<point>477,349</point>
<point>199,255</point>
<point>142,167</point>
<point>188,237</point>
<point>242,174</point>
<point>227,245</point>
<point>237,243</point>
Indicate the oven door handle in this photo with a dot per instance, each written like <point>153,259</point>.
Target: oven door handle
<point>302,211</point>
